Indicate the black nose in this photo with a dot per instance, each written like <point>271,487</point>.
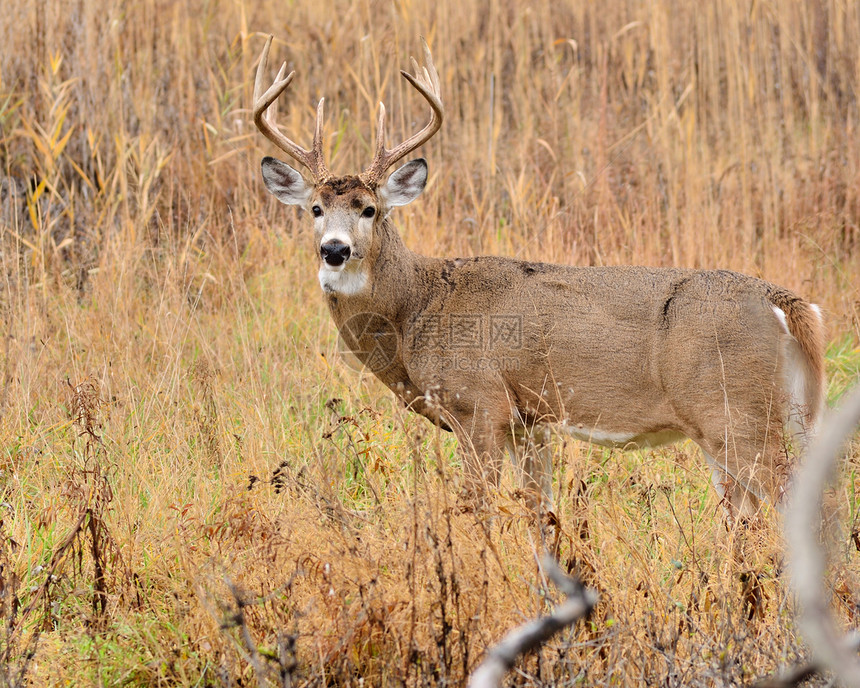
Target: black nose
<point>335,252</point>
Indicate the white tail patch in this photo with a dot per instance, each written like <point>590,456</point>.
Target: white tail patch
<point>780,315</point>
<point>815,309</point>
<point>794,373</point>
<point>816,412</point>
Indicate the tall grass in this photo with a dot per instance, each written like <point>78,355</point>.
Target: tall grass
<point>229,462</point>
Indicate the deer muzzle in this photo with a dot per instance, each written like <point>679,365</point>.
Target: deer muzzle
<point>335,253</point>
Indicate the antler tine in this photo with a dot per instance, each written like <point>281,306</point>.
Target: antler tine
<point>318,138</point>
<point>312,159</point>
<point>426,82</point>
<point>380,133</point>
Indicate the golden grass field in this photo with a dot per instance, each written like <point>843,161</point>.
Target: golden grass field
<point>197,491</point>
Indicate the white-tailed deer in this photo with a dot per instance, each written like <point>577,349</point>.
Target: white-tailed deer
<point>498,349</point>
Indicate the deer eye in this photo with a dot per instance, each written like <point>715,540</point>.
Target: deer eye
<point>317,211</point>
<point>369,211</point>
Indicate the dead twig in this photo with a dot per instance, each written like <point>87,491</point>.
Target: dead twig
<point>271,668</point>
<point>500,659</point>
<point>789,678</point>
<point>806,556</point>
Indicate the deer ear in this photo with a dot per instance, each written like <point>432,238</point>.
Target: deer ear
<point>284,183</point>
<point>405,184</point>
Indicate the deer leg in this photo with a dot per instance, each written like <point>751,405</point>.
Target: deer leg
<point>747,455</point>
<point>741,508</point>
<point>738,502</point>
<point>481,439</point>
<point>531,451</point>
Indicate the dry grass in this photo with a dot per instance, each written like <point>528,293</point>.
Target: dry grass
<point>178,439</point>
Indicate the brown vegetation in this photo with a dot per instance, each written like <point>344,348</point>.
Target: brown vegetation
<point>184,458</point>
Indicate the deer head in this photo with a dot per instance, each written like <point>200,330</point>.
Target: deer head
<point>348,211</point>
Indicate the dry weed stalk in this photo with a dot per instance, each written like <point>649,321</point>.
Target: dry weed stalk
<point>16,653</point>
<point>90,494</point>
<point>206,410</point>
<point>270,668</point>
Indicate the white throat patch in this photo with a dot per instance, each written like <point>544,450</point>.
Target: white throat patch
<point>341,280</point>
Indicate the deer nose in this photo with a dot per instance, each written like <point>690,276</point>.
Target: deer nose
<point>335,252</point>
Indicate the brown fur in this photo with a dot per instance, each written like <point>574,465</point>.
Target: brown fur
<point>340,186</point>
<point>647,352</point>
<point>807,328</point>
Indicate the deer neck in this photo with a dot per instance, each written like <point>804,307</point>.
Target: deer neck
<point>398,281</point>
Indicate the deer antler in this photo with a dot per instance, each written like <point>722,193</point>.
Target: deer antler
<point>312,159</point>
<point>426,82</point>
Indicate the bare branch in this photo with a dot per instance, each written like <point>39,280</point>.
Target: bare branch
<point>805,554</point>
<point>796,675</point>
<point>579,603</point>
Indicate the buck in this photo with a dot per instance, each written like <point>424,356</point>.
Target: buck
<point>500,350</point>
